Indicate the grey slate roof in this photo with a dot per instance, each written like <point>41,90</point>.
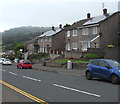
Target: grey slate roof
<point>97,19</point>
<point>32,40</point>
<point>77,24</point>
<point>50,33</point>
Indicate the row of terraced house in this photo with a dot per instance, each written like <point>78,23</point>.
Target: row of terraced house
<point>100,34</point>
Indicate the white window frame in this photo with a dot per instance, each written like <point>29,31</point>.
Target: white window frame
<point>85,31</point>
<point>68,33</point>
<point>41,40</point>
<point>94,30</point>
<point>68,46</point>
<point>85,48</point>
<point>46,39</point>
<point>75,32</point>
<point>75,45</point>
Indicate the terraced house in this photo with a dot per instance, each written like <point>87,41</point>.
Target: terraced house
<point>32,46</point>
<point>99,33</point>
<point>52,41</point>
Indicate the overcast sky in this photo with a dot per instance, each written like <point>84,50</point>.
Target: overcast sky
<point>16,13</point>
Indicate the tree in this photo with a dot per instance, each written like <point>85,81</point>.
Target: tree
<point>19,49</point>
<point>67,25</point>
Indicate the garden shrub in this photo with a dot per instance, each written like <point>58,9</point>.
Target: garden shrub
<point>37,56</point>
<point>93,56</point>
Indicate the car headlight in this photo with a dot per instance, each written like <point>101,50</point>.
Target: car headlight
<point>119,70</point>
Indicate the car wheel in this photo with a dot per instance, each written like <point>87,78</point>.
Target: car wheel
<point>21,67</point>
<point>17,66</point>
<point>114,79</point>
<point>88,75</point>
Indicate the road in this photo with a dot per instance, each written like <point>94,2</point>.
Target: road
<point>52,87</point>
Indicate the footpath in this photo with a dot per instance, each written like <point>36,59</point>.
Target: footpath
<point>76,72</point>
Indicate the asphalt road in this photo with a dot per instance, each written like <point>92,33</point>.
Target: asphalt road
<point>53,87</point>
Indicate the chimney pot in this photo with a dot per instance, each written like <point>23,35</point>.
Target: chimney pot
<point>88,15</point>
<point>53,28</point>
<point>60,26</point>
<point>104,11</point>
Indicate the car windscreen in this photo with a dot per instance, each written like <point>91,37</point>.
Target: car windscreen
<point>7,60</point>
<point>114,63</point>
<point>27,62</point>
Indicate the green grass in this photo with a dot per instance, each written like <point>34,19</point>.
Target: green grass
<point>73,60</point>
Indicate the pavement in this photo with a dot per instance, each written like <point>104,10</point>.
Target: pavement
<point>76,72</point>
<point>8,95</point>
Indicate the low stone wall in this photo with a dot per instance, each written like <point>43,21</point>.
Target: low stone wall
<point>74,54</point>
<point>74,65</point>
<point>79,65</point>
<point>52,64</point>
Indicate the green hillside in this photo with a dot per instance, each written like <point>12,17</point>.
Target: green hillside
<point>21,34</point>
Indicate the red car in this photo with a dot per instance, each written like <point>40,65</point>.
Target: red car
<point>24,64</point>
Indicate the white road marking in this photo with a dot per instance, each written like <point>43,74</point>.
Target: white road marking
<point>12,73</point>
<point>32,78</point>
<point>88,93</point>
<point>4,70</point>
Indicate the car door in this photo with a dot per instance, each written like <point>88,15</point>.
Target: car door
<point>104,70</point>
<point>95,68</point>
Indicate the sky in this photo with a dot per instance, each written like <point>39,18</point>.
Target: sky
<point>46,13</point>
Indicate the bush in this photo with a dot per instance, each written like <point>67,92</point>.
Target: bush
<point>93,56</point>
<point>37,56</point>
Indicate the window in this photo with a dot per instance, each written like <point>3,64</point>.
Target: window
<point>85,31</point>
<point>96,62</point>
<point>46,39</point>
<point>68,46</point>
<point>94,30</point>
<point>49,39</point>
<point>75,45</point>
<point>68,33</point>
<point>41,40</point>
<point>75,33</point>
<point>103,64</point>
<point>84,46</point>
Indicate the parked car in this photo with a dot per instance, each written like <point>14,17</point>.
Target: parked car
<point>24,64</point>
<point>1,60</point>
<point>7,62</point>
<point>103,69</point>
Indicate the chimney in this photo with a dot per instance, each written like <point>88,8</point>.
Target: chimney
<point>104,11</point>
<point>88,15</point>
<point>53,28</point>
<point>60,26</point>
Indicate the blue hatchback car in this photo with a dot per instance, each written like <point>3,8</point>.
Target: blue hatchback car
<point>103,69</point>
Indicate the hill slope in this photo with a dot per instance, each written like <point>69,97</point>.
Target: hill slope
<point>21,34</point>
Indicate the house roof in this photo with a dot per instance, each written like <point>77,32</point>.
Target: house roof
<point>77,24</point>
<point>50,33</point>
<point>32,40</point>
<point>97,19</point>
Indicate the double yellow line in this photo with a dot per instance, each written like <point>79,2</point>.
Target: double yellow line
<point>24,93</point>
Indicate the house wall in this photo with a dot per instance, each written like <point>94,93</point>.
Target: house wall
<point>97,45</point>
<point>30,47</point>
<point>58,42</point>
<point>109,29</point>
<point>46,44</point>
<point>88,37</point>
<point>72,39</point>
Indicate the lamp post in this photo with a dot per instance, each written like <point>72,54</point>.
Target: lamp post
<point>21,53</point>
